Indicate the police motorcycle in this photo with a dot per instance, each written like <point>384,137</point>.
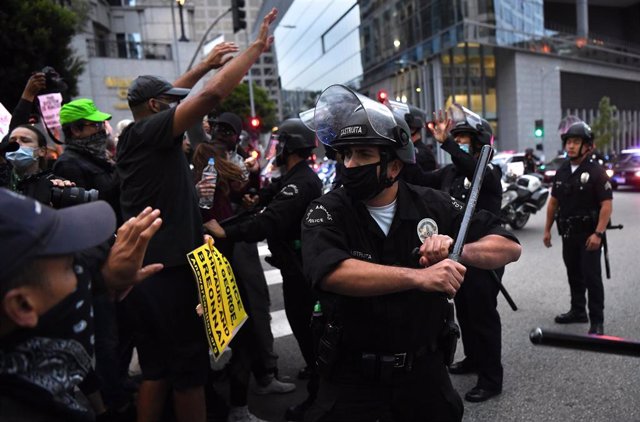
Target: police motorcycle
<point>522,195</point>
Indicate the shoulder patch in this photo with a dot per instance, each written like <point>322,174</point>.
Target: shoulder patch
<point>317,215</point>
<point>289,191</point>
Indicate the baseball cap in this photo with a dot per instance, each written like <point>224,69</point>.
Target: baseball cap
<point>29,229</point>
<point>7,146</point>
<point>81,109</point>
<point>146,87</point>
<point>232,120</point>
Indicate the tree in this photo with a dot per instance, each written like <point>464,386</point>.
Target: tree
<point>604,126</point>
<point>238,102</point>
<point>35,34</point>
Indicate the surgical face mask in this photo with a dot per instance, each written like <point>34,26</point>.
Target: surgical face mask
<point>464,147</point>
<point>361,183</point>
<point>22,158</point>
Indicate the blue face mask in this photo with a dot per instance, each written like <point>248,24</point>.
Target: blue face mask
<point>464,147</point>
<point>22,158</point>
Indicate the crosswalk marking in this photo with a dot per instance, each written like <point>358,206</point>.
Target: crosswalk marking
<point>279,324</point>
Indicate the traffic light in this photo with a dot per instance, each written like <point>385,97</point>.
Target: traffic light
<point>239,15</point>
<point>254,122</point>
<point>538,131</point>
<point>383,96</point>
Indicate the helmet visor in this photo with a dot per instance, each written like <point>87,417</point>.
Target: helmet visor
<point>463,118</point>
<point>334,116</point>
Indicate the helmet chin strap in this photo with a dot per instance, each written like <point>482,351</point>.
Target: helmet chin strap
<point>582,154</point>
<point>383,180</point>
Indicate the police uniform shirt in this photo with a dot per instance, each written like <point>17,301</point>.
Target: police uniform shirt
<point>281,218</point>
<point>336,228</point>
<point>581,192</point>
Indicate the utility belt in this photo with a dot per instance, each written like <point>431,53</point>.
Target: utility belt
<point>332,356</point>
<point>576,225</point>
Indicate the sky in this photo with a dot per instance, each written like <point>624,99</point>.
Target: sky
<point>303,62</point>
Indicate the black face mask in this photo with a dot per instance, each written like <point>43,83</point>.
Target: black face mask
<point>361,183</point>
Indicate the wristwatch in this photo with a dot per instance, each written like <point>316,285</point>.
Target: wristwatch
<point>599,234</point>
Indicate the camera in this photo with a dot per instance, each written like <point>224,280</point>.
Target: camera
<point>54,83</point>
<point>66,197</point>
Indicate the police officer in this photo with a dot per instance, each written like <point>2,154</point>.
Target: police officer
<point>462,136</point>
<point>424,155</point>
<point>581,203</point>
<point>279,223</point>
<point>383,347</point>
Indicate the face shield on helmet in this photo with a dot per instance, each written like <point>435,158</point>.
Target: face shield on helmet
<point>577,129</point>
<point>343,118</point>
<point>466,121</point>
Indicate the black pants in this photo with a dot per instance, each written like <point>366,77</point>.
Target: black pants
<point>476,309</point>
<point>298,306</point>
<point>585,276</point>
<point>425,394</point>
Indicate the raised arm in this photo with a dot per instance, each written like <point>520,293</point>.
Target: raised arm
<point>191,110</point>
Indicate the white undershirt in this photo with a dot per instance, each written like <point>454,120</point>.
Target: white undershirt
<point>383,215</point>
<point>574,168</point>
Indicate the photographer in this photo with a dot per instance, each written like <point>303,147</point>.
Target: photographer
<point>36,84</point>
<point>48,264</point>
<point>84,160</point>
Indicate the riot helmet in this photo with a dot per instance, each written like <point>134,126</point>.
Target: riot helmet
<point>294,136</point>
<point>344,118</point>
<point>466,121</point>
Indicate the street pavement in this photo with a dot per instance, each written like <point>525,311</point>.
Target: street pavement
<point>540,383</point>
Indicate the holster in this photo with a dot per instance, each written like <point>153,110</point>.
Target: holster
<point>577,225</point>
<point>448,340</point>
<point>328,349</point>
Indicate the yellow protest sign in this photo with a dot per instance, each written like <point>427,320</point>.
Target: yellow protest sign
<point>222,307</point>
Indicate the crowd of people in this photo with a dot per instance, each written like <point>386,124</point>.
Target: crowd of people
<point>94,255</point>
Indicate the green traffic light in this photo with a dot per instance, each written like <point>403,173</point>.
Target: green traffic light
<point>538,133</point>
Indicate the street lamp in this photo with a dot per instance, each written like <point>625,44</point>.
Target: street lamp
<point>180,6</point>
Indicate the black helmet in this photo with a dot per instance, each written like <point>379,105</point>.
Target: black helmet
<point>294,135</point>
<point>466,121</point>
<point>578,130</point>
<point>344,117</point>
<point>415,118</point>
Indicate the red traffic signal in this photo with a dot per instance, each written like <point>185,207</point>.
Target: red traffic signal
<point>383,96</point>
<point>254,122</point>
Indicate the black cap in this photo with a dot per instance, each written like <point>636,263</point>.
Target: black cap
<point>29,229</point>
<point>232,120</point>
<point>145,87</point>
<point>8,146</point>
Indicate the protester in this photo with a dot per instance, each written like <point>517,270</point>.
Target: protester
<point>47,270</point>
<point>153,169</point>
<point>386,326</point>
<point>279,224</point>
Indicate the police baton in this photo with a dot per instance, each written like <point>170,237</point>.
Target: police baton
<point>476,184</point>
<point>605,247</point>
<point>593,343</point>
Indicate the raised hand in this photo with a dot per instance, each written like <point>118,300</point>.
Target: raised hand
<point>440,125</point>
<point>218,57</point>
<point>263,35</point>
<point>123,267</point>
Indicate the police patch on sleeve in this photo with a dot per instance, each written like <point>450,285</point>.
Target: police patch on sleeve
<point>317,215</point>
<point>427,227</point>
<point>288,191</point>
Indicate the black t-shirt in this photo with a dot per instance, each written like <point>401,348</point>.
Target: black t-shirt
<point>336,228</point>
<point>153,171</point>
<point>581,192</point>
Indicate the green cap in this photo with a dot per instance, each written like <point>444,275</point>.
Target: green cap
<point>81,109</point>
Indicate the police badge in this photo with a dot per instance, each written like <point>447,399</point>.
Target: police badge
<point>584,177</point>
<point>427,227</point>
